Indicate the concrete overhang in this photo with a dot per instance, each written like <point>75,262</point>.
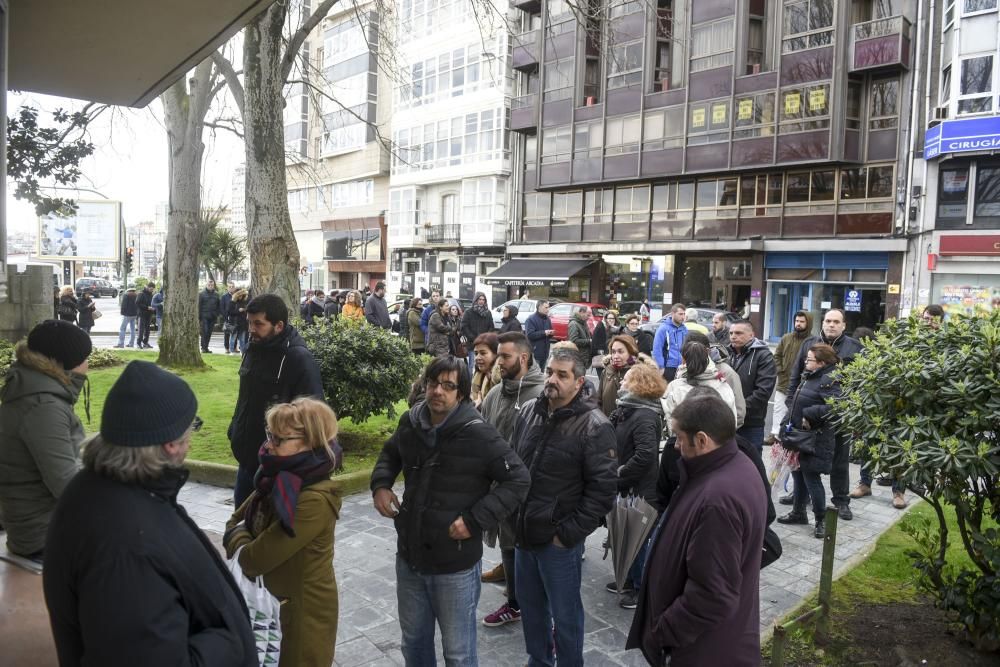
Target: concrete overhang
<point>123,52</point>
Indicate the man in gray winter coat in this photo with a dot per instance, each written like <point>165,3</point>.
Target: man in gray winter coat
<point>522,381</point>
<point>39,431</point>
<point>376,310</point>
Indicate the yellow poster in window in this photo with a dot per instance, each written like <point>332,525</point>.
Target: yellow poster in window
<point>793,102</point>
<point>697,118</point>
<point>745,111</point>
<point>719,114</point>
<point>817,99</point>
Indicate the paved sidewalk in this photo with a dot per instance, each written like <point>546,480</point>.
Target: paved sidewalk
<point>365,554</point>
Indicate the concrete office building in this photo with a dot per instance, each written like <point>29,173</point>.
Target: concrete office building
<point>337,167</point>
<point>450,189</point>
<point>716,152</point>
<point>954,254</point>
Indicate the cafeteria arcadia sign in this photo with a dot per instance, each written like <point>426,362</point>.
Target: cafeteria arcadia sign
<point>525,282</point>
<point>962,136</point>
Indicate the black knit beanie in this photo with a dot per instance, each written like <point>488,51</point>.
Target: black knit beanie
<point>60,340</point>
<point>147,406</point>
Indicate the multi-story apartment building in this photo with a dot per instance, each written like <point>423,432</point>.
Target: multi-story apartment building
<point>718,152</point>
<point>955,244</point>
<point>337,163</point>
<point>450,189</point>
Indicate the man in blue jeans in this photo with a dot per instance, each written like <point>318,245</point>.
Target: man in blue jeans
<point>461,478</point>
<point>569,446</point>
<point>129,311</point>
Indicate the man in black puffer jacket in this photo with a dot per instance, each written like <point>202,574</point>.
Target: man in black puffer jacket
<point>834,325</point>
<point>451,458</point>
<point>276,368</point>
<point>569,447</point>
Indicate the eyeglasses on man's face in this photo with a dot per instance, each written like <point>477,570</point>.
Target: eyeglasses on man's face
<point>446,385</point>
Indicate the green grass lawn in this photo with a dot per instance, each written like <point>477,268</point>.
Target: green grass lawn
<point>216,387</point>
<point>887,577</point>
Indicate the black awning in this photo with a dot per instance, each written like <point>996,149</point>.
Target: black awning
<point>536,272</point>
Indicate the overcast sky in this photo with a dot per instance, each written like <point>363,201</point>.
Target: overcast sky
<point>130,161</point>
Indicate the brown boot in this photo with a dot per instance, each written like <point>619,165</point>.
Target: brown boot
<point>861,490</point>
<point>898,500</point>
<point>494,576</point>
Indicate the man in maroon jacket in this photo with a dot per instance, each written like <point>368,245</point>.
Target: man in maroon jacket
<point>699,601</point>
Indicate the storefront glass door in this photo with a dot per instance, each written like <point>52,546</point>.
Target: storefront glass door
<point>864,305</point>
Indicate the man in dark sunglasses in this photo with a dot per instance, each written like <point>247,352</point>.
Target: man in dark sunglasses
<point>462,478</point>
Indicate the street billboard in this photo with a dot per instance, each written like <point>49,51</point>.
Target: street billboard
<point>91,233</point>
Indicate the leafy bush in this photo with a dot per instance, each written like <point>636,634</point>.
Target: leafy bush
<point>923,406</point>
<point>101,358</point>
<point>6,355</point>
<point>365,369</point>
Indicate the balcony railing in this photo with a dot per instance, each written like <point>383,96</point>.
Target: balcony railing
<point>881,43</point>
<point>439,234</point>
<point>525,51</point>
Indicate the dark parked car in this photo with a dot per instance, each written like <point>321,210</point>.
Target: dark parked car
<point>95,287</point>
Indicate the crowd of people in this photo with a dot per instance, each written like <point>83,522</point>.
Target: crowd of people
<point>508,441</point>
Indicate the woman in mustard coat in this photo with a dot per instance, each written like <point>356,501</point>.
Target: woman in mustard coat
<point>286,528</point>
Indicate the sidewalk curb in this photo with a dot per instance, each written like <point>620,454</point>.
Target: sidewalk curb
<point>218,474</point>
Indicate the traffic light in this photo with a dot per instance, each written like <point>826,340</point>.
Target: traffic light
<point>129,253</point>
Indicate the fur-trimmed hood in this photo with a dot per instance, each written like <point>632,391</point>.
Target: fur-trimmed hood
<point>34,373</point>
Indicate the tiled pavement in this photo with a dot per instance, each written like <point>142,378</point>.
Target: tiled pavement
<point>365,546</point>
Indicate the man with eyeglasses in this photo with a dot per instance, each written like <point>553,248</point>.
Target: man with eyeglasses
<point>462,479</point>
<point>521,382</point>
<point>129,578</point>
<point>570,448</point>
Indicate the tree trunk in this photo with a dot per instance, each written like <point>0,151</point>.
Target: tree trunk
<point>179,341</point>
<point>274,255</point>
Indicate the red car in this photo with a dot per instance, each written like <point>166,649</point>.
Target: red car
<point>560,313</point>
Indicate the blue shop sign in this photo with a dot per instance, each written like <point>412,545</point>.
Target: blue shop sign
<point>962,136</point>
<point>852,301</point>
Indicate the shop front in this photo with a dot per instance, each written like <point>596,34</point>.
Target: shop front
<point>965,273</point>
<point>865,285</point>
<point>564,279</point>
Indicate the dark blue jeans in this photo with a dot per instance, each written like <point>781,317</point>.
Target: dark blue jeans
<point>244,483</point>
<point>548,588</point>
<point>809,485</point>
<point>753,434</point>
<point>866,479</point>
<point>635,572</point>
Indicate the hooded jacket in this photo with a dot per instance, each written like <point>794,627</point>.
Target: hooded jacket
<point>678,390</point>
<point>273,371</point>
<point>720,356</point>
<point>511,323</point>
<point>500,407</point>
<point>809,402</point>
<point>129,307</point>
<point>40,438</point>
<point>297,570</point>
<point>449,472</point>
<point>699,601</point>
<point>638,424</point>
<point>578,334</point>
<point>787,353</point>
<point>440,329</point>
<point>755,366</point>
<point>476,321</point>
<point>671,337</point>
<point>572,457</point>
<point>131,580</point>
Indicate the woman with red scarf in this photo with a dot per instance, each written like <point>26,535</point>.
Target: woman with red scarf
<point>286,527</point>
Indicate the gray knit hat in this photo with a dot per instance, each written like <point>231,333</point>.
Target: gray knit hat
<point>147,406</point>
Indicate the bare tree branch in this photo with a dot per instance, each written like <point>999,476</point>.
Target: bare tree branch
<point>223,126</point>
<point>231,77</point>
<point>295,43</point>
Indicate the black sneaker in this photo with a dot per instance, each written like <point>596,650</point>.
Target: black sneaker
<point>787,499</point>
<point>819,532</point>
<point>794,517</point>
<point>612,587</point>
<point>630,600</point>
<point>844,511</point>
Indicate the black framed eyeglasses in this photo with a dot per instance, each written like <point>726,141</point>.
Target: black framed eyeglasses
<point>277,441</point>
<point>446,385</point>
<point>197,424</point>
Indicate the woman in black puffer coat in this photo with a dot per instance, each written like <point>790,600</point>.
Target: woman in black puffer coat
<point>811,412</point>
<point>638,422</point>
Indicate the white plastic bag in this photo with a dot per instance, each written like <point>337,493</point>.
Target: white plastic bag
<point>265,613</point>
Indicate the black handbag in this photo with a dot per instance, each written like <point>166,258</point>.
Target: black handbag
<point>797,440</point>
